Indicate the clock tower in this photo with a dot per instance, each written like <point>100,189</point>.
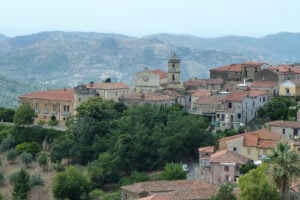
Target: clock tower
<point>174,71</point>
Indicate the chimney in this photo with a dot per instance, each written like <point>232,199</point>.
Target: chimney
<point>92,83</point>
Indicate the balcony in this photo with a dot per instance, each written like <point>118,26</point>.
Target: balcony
<point>65,113</point>
<point>45,112</point>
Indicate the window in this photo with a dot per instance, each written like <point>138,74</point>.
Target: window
<point>45,107</point>
<point>36,106</point>
<point>173,77</point>
<point>66,108</point>
<point>249,151</point>
<point>173,65</point>
<point>264,99</point>
<point>54,107</point>
<point>234,148</point>
<point>253,103</point>
<point>229,105</point>
<point>255,70</point>
<point>226,168</point>
<point>239,116</point>
<point>287,90</point>
<point>79,99</point>
<point>116,93</point>
<point>283,131</point>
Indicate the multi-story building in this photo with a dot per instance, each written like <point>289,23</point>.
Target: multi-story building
<point>112,91</point>
<point>237,72</point>
<point>289,88</point>
<point>51,104</point>
<point>290,130</point>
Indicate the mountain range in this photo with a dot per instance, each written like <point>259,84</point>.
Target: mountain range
<point>65,59</point>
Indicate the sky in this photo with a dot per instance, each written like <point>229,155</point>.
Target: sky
<point>203,18</point>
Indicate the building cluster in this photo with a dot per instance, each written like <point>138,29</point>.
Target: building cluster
<point>230,98</point>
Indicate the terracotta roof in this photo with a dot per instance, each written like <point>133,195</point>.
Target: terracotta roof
<point>231,137</point>
<point>107,86</point>
<point>226,156</point>
<point>263,84</point>
<point>215,81</point>
<point>228,68</point>
<point>155,197</point>
<point>209,149</point>
<point>236,96</point>
<point>250,140</point>
<point>285,124</point>
<point>195,82</point>
<point>171,93</point>
<point>179,189</point>
<point>257,93</point>
<point>283,69</point>
<point>210,100</point>
<point>154,96</point>
<point>65,94</point>
<point>261,138</point>
<point>253,64</point>
<point>161,73</point>
<point>202,92</point>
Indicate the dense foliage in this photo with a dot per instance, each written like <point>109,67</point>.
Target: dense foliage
<point>256,185</point>
<point>141,138</point>
<point>6,114</point>
<point>71,184</point>
<point>279,108</point>
<point>24,115</point>
<point>225,192</point>
<point>21,185</point>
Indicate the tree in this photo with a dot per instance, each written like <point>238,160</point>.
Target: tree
<point>277,109</point>
<point>173,171</point>
<point>26,158</point>
<point>256,185</point>
<point>225,192</point>
<point>21,186</point>
<point>43,160</point>
<point>70,184</point>
<point>24,115</point>
<point>11,155</point>
<point>283,166</point>
<point>6,114</point>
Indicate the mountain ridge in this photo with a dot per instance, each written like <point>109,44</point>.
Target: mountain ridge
<point>66,59</point>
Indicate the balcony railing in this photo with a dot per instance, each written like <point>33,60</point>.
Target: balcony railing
<point>45,111</point>
<point>65,113</point>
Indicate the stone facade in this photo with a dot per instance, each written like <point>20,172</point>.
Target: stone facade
<point>174,72</point>
<point>146,81</point>
<point>51,105</point>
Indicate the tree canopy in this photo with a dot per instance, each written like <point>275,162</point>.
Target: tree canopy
<point>71,184</point>
<point>256,185</point>
<point>24,115</point>
<point>283,166</point>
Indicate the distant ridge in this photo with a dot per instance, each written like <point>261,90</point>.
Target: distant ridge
<point>59,59</point>
<point>2,37</point>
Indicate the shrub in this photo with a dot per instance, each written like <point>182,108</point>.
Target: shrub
<point>7,143</point>
<point>36,180</point>
<point>1,178</point>
<point>26,158</point>
<point>13,178</point>
<point>59,167</point>
<point>11,155</point>
<point>173,171</point>
<point>41,122</point>
<point>52,122</point>
<point>32,147</point>
<point>43,160</point>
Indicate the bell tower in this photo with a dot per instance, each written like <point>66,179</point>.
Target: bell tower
<point>174,71</point>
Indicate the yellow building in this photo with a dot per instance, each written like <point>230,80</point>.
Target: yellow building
<point>51,104</point>
<point>254,145</point>
<point>289,88</point>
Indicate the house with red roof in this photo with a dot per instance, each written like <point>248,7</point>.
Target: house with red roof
<point>290,130</point>
<point>51,104</point>
<point>220,166</point>
<point>254,145</point>
<point>237,72</point>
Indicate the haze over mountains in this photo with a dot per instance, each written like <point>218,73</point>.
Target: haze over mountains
<point>65,59</point>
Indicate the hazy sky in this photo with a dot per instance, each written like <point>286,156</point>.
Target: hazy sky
<point>206,18</point>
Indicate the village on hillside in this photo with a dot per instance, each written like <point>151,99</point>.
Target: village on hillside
<point>230,99</point>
